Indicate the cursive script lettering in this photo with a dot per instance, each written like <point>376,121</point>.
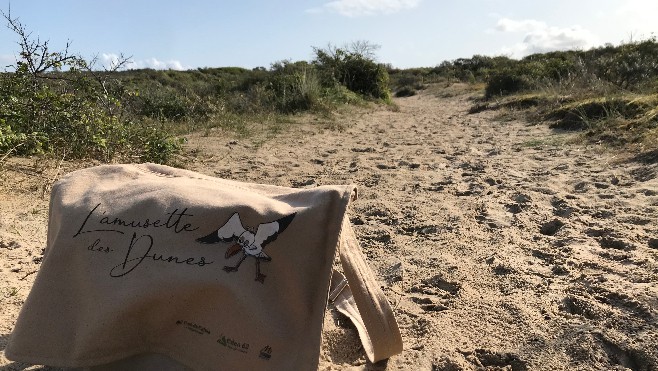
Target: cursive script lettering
<point>82,226</point>
<point>97,247</point>
<point>140,248</point>
<point>138,252</point>
<point>173,221</point>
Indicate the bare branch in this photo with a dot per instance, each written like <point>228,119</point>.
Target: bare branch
<point>36,54</point>
<point>364,49</point>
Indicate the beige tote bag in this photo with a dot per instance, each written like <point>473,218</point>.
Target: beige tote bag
<point>152,267</point>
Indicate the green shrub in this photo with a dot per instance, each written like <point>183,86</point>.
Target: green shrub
<point>166,103</point>
<point>41,120</point>
<point>366,77</point>
<point>294,86</point>
<point>632,65</point>
<point>505,83</point>
<point>405,91</point>
<point>471,70</point>
<point>74,113</point>
<point>355,70</point>
<point>342,95</point>
<point>12,142</point>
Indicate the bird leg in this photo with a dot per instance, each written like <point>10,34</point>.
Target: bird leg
<point>234,269</point>
<point>259,276</point>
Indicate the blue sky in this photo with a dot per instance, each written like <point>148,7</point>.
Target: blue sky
<point>248,33</point>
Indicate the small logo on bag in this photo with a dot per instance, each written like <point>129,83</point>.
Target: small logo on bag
<point>194,327</point>
<point>232,344</point>
<point>266,353</point>
<point>250,243</point>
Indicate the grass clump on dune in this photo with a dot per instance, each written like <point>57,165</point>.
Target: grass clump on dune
<point>608,93</point>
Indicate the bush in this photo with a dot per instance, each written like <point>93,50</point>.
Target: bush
<point>632,65</point>
<point>471,70</point>
<point>294,86</point>
<point>506,83</point>
<point>56,102</point>
<point>41,119</point>
<point>11,141</point>
<point>167,103</point>
<point>405,91</point>
<point>366,77</point>
<point>342,95</point>
<point>71,113</point>
<point>354,69</point>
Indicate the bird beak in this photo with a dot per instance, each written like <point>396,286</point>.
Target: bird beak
<point>232,250</point>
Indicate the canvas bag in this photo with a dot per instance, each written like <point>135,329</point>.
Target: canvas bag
<point>149,266</point>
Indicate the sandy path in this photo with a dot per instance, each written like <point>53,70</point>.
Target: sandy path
<point>499,246</point>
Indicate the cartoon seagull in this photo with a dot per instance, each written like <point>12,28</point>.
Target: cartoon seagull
<point>250,243</point>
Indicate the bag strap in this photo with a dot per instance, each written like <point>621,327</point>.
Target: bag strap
<point>359,297</point>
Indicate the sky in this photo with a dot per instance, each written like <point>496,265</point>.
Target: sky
<point>191,34</point>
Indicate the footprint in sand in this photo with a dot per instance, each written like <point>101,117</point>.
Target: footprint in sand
<point>489,360</point>
<point>435,294</point>
<point>561,208</point>
<point>551,228</point>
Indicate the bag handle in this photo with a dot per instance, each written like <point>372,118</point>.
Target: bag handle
<point>358,296</point>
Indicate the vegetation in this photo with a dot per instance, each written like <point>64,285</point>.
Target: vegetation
<point>355,69</point>
<point>610,92</point>
<point>59,103</point>
<point>75,114</point>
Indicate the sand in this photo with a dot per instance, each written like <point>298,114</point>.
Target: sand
<point>501,245</point>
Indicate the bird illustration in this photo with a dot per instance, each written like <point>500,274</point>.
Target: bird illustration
<point>245,240</point>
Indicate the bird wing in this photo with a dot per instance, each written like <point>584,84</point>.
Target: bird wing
<point>268,232</point>
<point>232,228</point>
<point>227,232</point>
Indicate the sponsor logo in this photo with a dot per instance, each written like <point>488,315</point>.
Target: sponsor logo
<point>233,344</point>
<point>265,353</point>
<point>193,327</point>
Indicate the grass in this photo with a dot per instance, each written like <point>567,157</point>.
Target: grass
<point>552,141</point>
<point>625,120</point>
<point>618,119</point>
<point>609,93</point>
<point>450,88</point>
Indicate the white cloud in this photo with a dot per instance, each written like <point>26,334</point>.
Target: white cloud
<point>157,64</point>
<point>526,25</point>
<point>109,59</point>
<point>538,37</point>
<point>357,8</point>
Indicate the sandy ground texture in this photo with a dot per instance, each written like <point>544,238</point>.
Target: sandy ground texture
<point>500,245</point>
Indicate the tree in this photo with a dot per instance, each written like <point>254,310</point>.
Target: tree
<point>354,67</point>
